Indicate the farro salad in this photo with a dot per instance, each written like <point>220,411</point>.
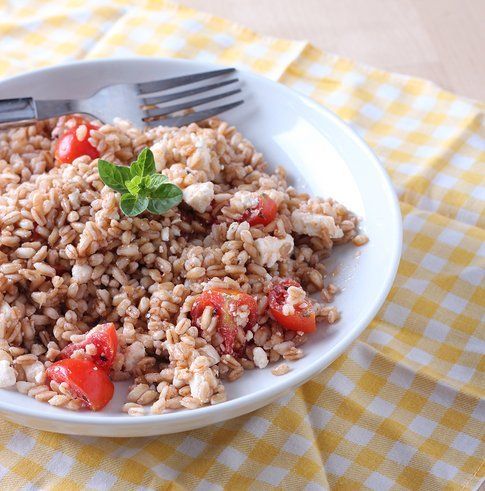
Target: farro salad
<point>169,257</point>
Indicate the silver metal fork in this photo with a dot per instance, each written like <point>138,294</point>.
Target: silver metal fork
<point>144,104</point>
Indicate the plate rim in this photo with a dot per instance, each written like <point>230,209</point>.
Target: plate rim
<point>249,402</point>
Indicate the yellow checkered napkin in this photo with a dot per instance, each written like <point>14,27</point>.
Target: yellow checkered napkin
<point>403,409</point>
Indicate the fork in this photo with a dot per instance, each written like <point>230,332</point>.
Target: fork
<point>143,104</point>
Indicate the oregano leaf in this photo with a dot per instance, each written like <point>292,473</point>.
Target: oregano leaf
<point>140,186</point>
<point>114,176</point>
<point>133,205</point>
<point>167,192</point>
<point>134,185</point>
<point>144,164</point>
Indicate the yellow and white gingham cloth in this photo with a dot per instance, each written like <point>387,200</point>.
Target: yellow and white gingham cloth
<point>404,408</point>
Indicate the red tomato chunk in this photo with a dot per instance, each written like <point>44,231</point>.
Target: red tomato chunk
<point>84,380</point>
<point>303,319</point>
<point>263,213</point>
<point>85,366</point>
<point>70,146</point>
<point>104,339</point>
<point>226,303</point>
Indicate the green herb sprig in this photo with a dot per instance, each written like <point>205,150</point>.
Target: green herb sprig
<point>140,186</point>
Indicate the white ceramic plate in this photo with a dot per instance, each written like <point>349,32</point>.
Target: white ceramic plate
<point>323,156</point>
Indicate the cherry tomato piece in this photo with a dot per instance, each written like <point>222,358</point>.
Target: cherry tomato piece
<point>69,147</point>
<point>304,317</point>
<point>104,338</point>
<point>226,303</point>
<point>263,213</point>
<point>84,380</point>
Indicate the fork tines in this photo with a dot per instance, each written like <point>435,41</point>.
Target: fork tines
<point>170,83</point>
<point>154,111</point>
<point>152,101</point>
<point>194,117</point>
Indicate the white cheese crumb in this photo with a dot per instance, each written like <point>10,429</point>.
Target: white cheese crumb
<point>81,273</point>
<point>201,158</point>
<point>199,196</point>
<point>315,225</point>
<point>34,372</point>
<point>133,354</point>
<point>159,150</point>
<point>260,357</point>
<point>210,352</point>
<point>277,196</point>
<point>7,374</point>
<point>200,386</point>
<point>271,249</point>
<point>244,200</point>
<point>240,314</point>
<point>296,296</point>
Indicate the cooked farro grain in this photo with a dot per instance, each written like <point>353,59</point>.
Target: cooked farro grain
<point>69,260</point>
<point>280,369</point>
<point>360,240</point>
<point>293,354</point>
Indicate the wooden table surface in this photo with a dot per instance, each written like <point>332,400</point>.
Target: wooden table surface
<point>440,40</point>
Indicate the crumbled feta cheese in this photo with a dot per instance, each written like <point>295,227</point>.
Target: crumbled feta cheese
<point>240,314</point>
<point>159,150</point>
<point>9,317</point>
<point>260,357</point>
<point>180,377</point>
<point>210,352</point>
<point>315,225</point>
<point>133,354</point>
<point>91,349</point>
<point>244,200</point>
<point>201,158</point>
<point>199,196</point>
<point>81,273</point>
<point>296,296</point>
<point>199,387</point>
<point>199,364</point>
<point>267,183</point>
<point>202,385</point>
<point>271,249</point>
<point>7,374</point>
<point>34,372</point>
<point>277,196</point>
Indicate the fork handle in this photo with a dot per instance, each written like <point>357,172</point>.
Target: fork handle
<point>16,112</point>
<point>23,111</point>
